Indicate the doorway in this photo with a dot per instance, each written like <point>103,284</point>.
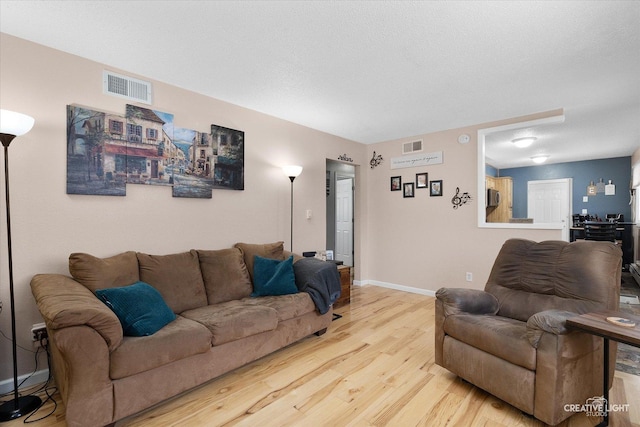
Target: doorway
<point>340,193</point>
<point>549,201</point>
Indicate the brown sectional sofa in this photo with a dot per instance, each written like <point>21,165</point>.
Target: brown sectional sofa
<point>104,376</point>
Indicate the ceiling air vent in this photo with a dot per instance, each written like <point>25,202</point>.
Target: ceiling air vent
<point>126,87</point>
<point>412,147</point>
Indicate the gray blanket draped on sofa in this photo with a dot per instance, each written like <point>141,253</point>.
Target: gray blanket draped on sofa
<point>320,279</point>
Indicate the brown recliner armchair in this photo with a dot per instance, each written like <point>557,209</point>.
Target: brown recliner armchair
<point>511,339</point>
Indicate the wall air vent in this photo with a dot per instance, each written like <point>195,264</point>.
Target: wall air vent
<point>412,147</point>
<point>126,87</point>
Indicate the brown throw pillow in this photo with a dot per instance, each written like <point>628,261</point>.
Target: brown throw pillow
<point>177,277</point>
<point>101,273</point>
<point>225,275</point>
<point>266,250</point>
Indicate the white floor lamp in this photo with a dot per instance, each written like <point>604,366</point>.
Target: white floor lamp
<point>12,125</point>
<point>292,172</point>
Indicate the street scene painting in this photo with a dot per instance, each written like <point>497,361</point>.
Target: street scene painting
<point>194,177</point>
<point>229,160</point>
<point>87,172</point>
<point>150,149</point>
<point>105,151</point>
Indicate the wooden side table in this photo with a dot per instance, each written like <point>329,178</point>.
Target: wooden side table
<point>596,324</point>
<point>345,285</point>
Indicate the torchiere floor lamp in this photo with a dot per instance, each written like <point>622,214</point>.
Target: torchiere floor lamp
<point>12,125</point>
<point>292,172</point>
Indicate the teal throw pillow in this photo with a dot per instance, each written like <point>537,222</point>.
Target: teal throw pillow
<point>273,277</point>
<point>139,307</point>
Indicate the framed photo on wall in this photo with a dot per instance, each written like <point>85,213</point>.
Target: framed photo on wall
<point>422,179</point>
<point>408,190</point>
<point>435,188</point>
<point>396,183</point>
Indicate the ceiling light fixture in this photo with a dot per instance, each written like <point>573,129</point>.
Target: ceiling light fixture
<point>539,159</point>
<point>524,142</point>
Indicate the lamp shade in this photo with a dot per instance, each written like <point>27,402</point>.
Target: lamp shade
<point>16,124</point>
<point>292,170</point>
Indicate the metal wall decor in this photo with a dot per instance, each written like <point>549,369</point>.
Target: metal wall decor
<point>345,158</point>
<point>460,199</point>
<point>375,160</point>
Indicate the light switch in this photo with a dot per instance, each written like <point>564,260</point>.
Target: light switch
<point>584,211</point>
<point>308,213</point>
<point>585,199</point>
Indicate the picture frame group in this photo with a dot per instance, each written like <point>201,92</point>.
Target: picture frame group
<point>421,181</point>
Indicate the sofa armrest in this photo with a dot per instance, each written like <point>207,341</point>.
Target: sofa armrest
<point>64,303</point>
<point>551,321</point>
<point>470,301</point>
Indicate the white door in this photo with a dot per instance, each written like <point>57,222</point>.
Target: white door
<point>344,221</point>
<point>549,201</point>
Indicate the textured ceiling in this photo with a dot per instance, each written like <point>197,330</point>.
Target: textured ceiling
<point>375,71</point>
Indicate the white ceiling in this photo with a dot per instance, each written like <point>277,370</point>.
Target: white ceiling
<point>376,71</point>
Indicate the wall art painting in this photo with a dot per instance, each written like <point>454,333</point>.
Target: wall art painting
<point>193,177</point>
<point>106,151</point>
<point>150,150</point>
<point>228,151</point>
<point>92,166</point>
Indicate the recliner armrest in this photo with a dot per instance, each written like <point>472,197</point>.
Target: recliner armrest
<point>471,301</point>
<point>551,321</point>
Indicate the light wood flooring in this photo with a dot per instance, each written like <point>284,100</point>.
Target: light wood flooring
<point>374,367</point>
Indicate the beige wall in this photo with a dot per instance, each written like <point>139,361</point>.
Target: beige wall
<point>422,243</point>
<point>48,224</point>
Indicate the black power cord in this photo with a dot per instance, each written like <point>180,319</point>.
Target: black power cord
<point>47,388</point>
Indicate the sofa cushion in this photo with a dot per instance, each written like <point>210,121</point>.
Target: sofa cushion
<point>286,306</point>
<point>503,337</point>
<point>179,339</point>
<point>273,277</point>
<point>225,275</point>
<point>266,250</point>
<point>139,307</point>
<point>100,273</point>
<point>177,277</point>
<point>232,320</point>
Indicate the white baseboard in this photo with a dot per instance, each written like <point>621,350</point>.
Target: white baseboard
<point>395,286</point>
<point>6,386</point>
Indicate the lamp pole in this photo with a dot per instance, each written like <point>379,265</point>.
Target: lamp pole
<point>292,172</point>
<point>291,244</point>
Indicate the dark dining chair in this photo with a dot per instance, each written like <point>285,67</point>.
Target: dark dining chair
<point>600,231</point>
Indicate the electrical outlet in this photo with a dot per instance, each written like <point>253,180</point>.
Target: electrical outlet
<point>38,331</point>
<point>469,277</point>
